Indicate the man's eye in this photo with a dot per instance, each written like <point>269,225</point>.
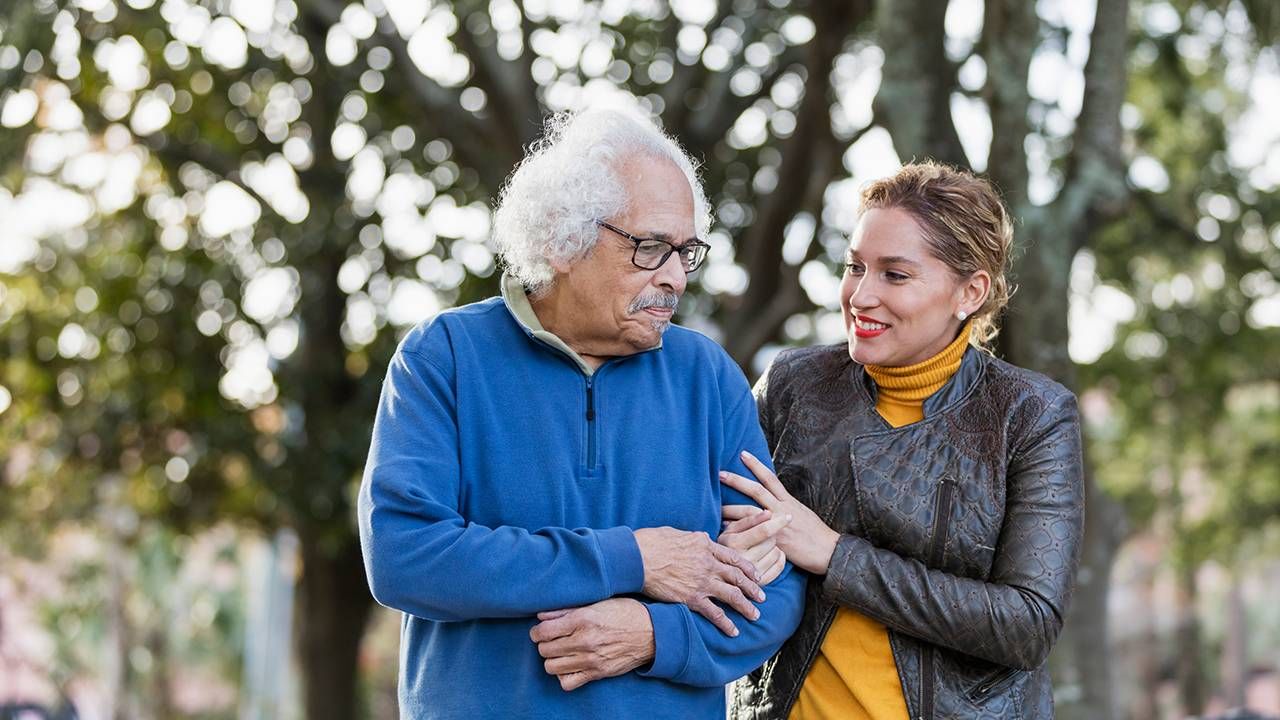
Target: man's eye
<point>896,277</point>
<point>652,247</point>
<point>853,268</point>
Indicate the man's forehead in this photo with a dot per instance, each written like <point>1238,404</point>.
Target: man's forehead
<point>656,176</point>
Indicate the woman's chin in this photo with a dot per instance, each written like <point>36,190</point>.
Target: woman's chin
<point>860,355</point>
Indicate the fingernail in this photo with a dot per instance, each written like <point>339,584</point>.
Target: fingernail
<point>746,454</point>
<point>733,632</point>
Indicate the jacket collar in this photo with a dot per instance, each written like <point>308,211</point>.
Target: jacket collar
<point>972,366</point>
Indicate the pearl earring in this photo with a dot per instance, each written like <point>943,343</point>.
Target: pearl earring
<point>962,315</point>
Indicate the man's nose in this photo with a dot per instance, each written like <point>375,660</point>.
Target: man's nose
<point>671,276</point>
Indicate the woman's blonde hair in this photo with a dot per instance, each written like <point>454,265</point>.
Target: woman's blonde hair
<point>964,224</point>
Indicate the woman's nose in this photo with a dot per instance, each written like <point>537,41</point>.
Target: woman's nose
<point>863,295</point>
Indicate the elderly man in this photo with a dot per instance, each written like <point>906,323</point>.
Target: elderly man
<point>544,469</point>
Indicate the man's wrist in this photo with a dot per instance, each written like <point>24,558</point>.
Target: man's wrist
<point>620,550</point>
<point>645,642</point>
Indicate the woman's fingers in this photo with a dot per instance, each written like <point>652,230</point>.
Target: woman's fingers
<point>737,512</point>
<point>750,488</point>
<point>746,523</point>
<point>764,475</point>
<point>758,553</point>
<point>760,533</point>
<point>774,562</point>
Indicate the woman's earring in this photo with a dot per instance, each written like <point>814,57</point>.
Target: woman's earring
<point>962,315</point>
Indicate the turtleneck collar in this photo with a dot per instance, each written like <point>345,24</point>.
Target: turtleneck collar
<point>913,384</point>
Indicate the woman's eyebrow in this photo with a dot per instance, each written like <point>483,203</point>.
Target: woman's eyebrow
<point>898,260</point>
<point>885,259</point>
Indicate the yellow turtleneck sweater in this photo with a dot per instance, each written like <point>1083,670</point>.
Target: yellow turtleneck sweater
<point>854,676</point>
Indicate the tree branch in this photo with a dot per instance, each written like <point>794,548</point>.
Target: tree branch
<point>443,106</point>
<point>174,154</point>
<point>675,111</point>
<point>811,159</point>
<point>507,114</point>
<point>709,127</point>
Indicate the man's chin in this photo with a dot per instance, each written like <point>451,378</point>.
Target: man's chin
<point>649,337</point>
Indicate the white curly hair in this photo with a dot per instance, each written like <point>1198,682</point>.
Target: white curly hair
<point>548,207</point>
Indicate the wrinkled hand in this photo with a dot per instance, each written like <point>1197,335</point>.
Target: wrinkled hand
<point>687,567</point>
<point>755,537</point>
<point>606,639</point>
<point>806,540</point>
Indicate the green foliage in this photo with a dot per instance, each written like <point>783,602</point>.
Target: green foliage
<point>1193,416</point>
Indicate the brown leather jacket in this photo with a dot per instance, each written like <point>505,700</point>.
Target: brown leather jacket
<point>960,533</point>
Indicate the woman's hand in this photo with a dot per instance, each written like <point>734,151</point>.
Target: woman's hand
<point>754,537</point>
<point>807,541</point>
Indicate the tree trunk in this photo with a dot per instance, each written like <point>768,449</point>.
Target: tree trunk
<point>1035,330</point>
<point>118,704</point>
<point>1035,336</point>
<point>1081,662</point>
<point>333,610</point>
<point>1189,671</point>
<point>917,79</point>
<point>1235,650</point>
<point>1145,655</point>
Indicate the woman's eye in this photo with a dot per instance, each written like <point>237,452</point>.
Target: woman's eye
<point>853,268</point>
<point>896,277</point>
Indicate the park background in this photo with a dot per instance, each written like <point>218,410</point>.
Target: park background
<point>217,217</point>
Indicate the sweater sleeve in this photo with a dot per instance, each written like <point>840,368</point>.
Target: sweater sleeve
<point>424,558</point>
<point>688,649</point>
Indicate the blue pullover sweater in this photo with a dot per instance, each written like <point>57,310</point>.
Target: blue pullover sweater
<point>505,479</point>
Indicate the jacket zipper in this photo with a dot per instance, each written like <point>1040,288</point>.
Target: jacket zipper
<point>986,688</point>
<point>937,548</point>
<point>591,425</point>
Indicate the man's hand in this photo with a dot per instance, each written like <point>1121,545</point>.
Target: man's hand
<point>606,639</point>
<point>755,536</point>
<point>687,567</point>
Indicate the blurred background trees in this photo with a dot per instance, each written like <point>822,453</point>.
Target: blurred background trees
<point>219,215</point>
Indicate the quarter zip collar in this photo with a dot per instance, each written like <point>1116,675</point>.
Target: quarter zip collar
<point>517,303</point>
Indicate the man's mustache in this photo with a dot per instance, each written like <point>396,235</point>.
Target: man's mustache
<point>660,300</point>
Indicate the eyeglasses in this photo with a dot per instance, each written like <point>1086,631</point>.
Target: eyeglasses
<point>651,253</point>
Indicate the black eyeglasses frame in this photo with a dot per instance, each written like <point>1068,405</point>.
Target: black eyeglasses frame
<point>701,249</point>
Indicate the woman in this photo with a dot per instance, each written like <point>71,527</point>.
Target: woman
<point>934,492</point>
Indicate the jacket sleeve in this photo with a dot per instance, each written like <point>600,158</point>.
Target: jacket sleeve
<point>1014,617</point>
<point>424,558</point>
<point>688,649</point>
